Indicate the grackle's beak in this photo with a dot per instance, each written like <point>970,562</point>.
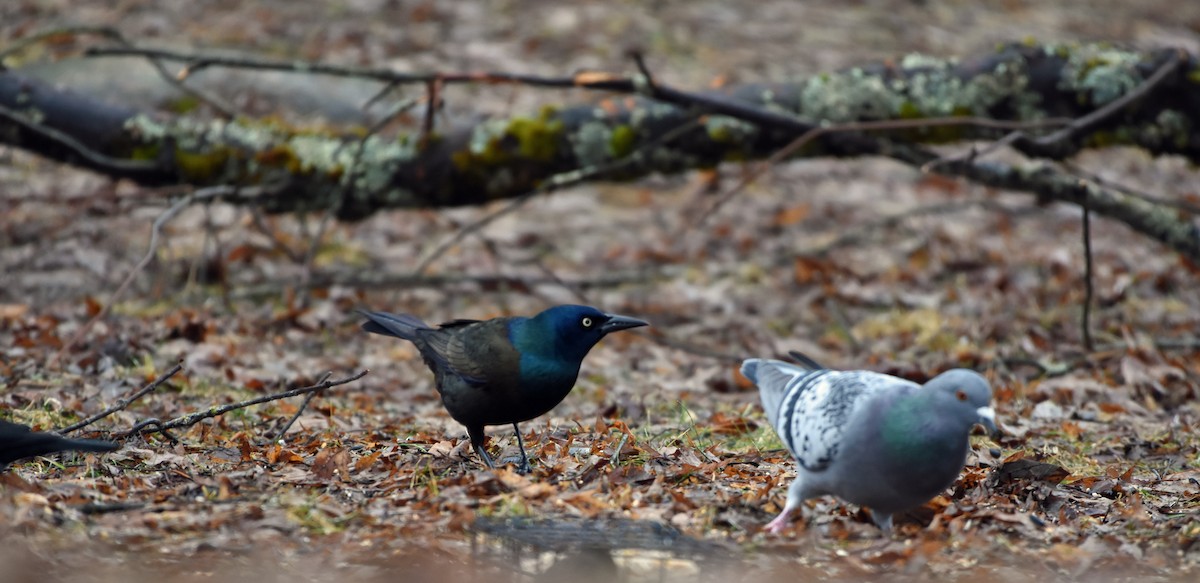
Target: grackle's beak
<point>987,418</point>
<point>616,322</point>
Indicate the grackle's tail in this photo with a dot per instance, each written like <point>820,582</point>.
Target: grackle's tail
<point>399,325</point>
<point>17,441</point>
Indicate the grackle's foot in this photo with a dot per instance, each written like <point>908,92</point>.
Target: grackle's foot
<point>521,463</point>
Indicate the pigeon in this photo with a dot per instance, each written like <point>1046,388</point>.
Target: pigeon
<point>869,438</point>
<point>503,370</point>
<point>17,442</point>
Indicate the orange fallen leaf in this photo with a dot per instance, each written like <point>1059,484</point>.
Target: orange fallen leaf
<point>367,461</point>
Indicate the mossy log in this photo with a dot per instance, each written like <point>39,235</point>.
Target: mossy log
<point>502,158</point>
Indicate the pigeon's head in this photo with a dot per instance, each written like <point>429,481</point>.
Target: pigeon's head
<point>576,329</point>
<point>969,395</point>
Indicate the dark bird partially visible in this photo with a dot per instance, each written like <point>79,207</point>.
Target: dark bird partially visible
<point>504,370</point>
<point>17,441</point>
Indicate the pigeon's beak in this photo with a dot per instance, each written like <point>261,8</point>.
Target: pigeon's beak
<point>616,322</point>
<point>987,418</point>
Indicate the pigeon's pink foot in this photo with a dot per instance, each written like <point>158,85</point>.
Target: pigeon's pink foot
<point>779,523</point>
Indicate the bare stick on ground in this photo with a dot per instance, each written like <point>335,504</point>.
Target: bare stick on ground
<point>194,418</point>
<point>123,403</point>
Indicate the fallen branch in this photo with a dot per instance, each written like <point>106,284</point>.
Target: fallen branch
<point>123,403</point>
<point>194,418</point>
<point>1018,83</point>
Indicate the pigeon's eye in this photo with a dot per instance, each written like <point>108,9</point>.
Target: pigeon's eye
<point>587,322</point>
<point>961,394</point>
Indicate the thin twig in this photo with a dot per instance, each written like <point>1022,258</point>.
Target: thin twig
<point>1087,276</point>
<point>462,233</point>
<point>99,161</point>
<point>1054,145</point>
<point>385,280</point>
<point>194,418</point>
<point>807,131</point>
<point>197,61</point>
<point>816,132</point>
<point>303,405</point>
<point>1087,124</point>
<point>1118,187</point>
<point>124,403</point>
<point>593,80</point>
<point>155,422</point>
<point>972,154</point>
<point>18,46</point>
<point>155,231</point>
<point>115,35</point>
<point>433,91</point>
<point>350,183</point>
<point>259,222</point>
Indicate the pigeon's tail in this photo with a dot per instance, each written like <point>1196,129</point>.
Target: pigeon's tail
<point>774,379</point>
<point>805,360</point>
<point>398,325</point>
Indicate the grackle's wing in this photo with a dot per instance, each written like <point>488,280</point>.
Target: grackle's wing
<point>478,352</point>
<point>457,323</point>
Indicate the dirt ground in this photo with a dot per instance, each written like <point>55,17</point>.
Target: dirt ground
<point>859,263</point>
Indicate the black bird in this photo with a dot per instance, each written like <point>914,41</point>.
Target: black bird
<point>17,441</point>
<point>503,370</point>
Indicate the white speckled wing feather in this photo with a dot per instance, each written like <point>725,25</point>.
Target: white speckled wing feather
<point>810,408</point>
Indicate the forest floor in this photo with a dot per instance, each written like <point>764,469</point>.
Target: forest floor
<point>661,452</point>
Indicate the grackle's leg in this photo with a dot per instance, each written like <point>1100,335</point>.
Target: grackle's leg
<point>477,436</point>
<point>524,467</point>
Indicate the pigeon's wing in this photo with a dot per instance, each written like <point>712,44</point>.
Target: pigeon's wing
<point>813,406</point>
<point>774,378</point>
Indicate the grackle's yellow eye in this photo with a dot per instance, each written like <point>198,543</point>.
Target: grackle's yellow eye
<point>587,322</point>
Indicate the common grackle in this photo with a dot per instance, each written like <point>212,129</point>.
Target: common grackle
<point>503,370</point>
<point>869,438</point>
<point>17,441</point>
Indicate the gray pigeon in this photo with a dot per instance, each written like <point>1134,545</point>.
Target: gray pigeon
<point>869,438</point>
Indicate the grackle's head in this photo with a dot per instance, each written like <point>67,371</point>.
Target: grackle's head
<point>575,329</point>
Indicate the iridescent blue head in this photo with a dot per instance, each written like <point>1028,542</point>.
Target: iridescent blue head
<point>567,332</point>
